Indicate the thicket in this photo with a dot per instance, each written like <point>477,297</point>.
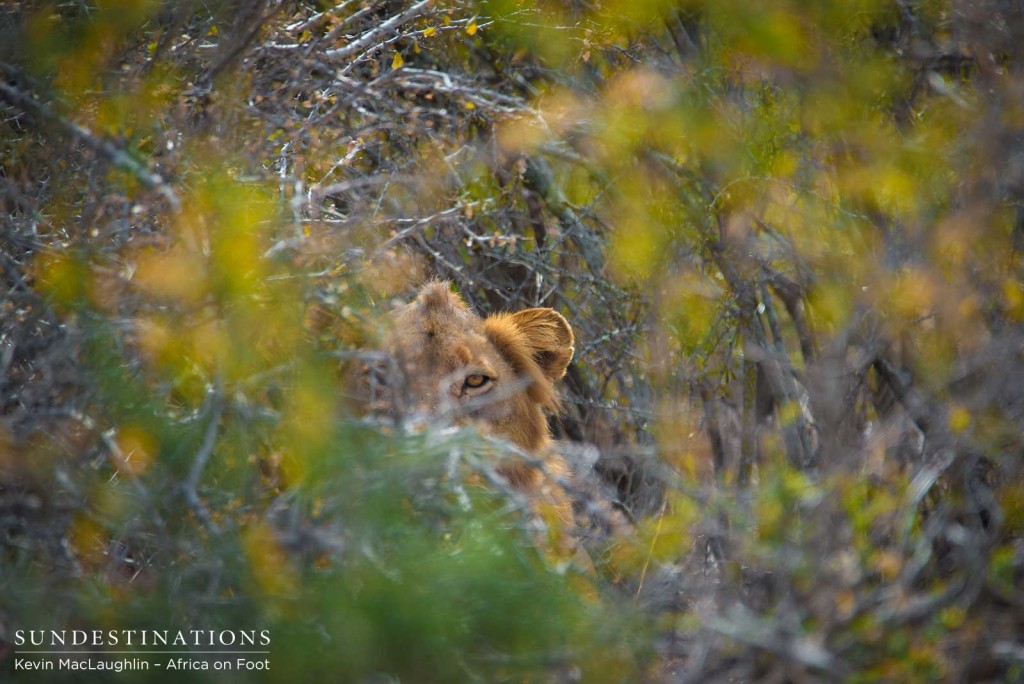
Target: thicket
<point>787,235</point>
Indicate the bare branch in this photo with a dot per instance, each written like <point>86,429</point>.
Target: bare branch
<point>368,38</point>
<point>107,149</point>
<point>191,484</point>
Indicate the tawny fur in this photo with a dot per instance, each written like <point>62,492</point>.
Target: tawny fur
<point>438,341</point>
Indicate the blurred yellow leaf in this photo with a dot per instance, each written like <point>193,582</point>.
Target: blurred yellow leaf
<point>1013,298</point>
<point>60,276</point>
<point>471,27</point>
<point>952,617</point>
<point>789,412</point>
<point>268,561</point>
<point>175,274</point>
<point>959,419</point>
<point>636,244</point>
<point>846,602</point>
<point>154,338</point>
<point>211,344</point>
<point>88,540</point>
<point>397,62</point>
<point>137,449</point>
<point>888,563</point>
<point>1011,501</point>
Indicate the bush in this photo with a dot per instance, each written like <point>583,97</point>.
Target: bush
<point>787,238</point>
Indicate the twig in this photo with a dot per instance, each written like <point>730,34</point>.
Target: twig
<point>316,18</point>
<point>119,461</point>
<point>205,82</point>
<point>370,36</point>
<point>540,179</point>
<point>191,483</point>
<point>650,549</point>
<point>803,425</point>
<point>748,628</point>
<point>318,192</point>
<point>417,224</point>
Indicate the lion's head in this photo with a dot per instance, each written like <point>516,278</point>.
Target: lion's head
<point>441,360</point>
<point>499,371</point>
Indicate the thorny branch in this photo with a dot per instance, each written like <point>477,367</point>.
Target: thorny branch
<point>105,148</point>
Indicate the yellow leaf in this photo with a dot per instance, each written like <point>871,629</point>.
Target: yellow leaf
<point>471,28</point>
<point>136,450</point>
<point>1013,298</point>
<point>888,563</point>
<point>959,419</point>
<point>397,62</point>
<point>268,560</point>
<point>213,31</point>
<point>429,31</point>
<point>470,105</point>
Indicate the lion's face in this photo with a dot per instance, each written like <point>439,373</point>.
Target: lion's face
<point>498,371</point>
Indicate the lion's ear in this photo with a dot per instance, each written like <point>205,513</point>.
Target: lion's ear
<point>549,338</point>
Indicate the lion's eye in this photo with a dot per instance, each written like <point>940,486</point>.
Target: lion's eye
<point>476,381</point>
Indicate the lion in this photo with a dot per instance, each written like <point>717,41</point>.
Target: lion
<point>498,373</point>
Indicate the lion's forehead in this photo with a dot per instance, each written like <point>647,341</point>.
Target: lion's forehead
<point>443,335</point>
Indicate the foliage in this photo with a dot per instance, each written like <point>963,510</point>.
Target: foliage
<point>787,236</point>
